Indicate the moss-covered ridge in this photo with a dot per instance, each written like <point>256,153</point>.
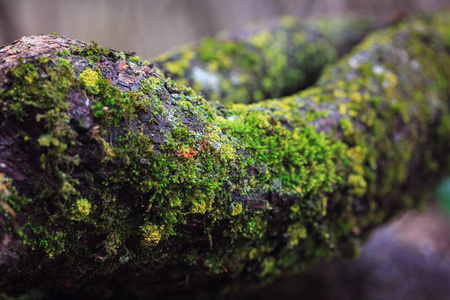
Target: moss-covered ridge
<point>273,59</point>
<point>110,168</point>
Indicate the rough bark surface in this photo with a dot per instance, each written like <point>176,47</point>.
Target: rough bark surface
<point>116,179</point>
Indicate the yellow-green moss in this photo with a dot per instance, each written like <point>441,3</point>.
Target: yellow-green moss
<point>180,66</point>
<point>151,235</point>
<point>296,232</point>
<point>81,209</point>
<point>227,152</point>
<point>272,61</point>
<point>90,80</point>
<point>237,209</point>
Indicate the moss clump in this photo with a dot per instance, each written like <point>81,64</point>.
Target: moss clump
<point>296,232</point>
<point>227,152</point>
<point>237,209</point>
<point>81,209</point>
<point>90,80</point>
<point>151,235</point>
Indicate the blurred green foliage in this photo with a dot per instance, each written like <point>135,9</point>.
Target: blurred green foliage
<point>443,194</point>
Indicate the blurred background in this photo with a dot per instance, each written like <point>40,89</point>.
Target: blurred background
<point>408,259</point>
<point>151,27</point>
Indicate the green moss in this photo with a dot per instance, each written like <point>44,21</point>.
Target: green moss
<point>81,209</point>
<point>151,235</point>
<point>94,52</point>
<point>272,61</point>
<point>181,65</point>
<point>237,209</point>
<point>53,35</point>
<point>298,158</point>
<point>90,80</point>
<point>227,152</point>
<point>296,232</point>
<point>47,95</point>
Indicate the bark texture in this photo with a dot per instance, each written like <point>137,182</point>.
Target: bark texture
<point>116,179</point>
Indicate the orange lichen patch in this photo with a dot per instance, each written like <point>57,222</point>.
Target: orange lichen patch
<point>4,193</point>
<point>191,152</point>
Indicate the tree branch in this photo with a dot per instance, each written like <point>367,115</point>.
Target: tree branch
<point>268,60</point>
<point>113,175</point>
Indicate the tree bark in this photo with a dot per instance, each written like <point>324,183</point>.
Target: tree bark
<point>116,179</point>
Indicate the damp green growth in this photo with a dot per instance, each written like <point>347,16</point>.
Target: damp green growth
<point>90,80</point>
<point>271,61</point>
<point>296,232</point>
<point>81,209</point>
<point>151,235</point>
<point>227,152</point>
<point>53,35</point>
<point>93,52</point>
<point>237,209</point>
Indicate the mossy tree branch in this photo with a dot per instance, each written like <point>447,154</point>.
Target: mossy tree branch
<point>268,60</point>
<point>112,172</point>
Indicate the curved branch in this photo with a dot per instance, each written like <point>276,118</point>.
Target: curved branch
<point>269,60</point>
<point>116,173</point>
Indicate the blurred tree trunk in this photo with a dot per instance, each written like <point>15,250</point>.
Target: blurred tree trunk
<point>8,32</point>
